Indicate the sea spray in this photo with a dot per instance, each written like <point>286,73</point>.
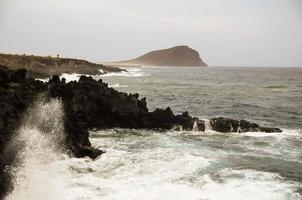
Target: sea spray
<point>195,126</point>
<point>208,125</point>
<point>39,142</point>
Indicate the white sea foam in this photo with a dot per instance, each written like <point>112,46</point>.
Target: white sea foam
<point>284,133</point>
<point>131,72</point>
<point>117,86</point>
<point>71,77</point>
<point>247,184</point>
<point>157,166</point>
<point>68,77</point>
<point>195,126</point>
<point>38,140</point>
<point>133,69</point>
<point>150,165</point>
<point>207,125</point>
<point>43,80</point>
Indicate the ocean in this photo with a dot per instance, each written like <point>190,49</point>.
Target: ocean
<point>182,165</point>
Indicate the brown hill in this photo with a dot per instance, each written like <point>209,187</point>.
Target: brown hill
<point>175,56</point>
<point>43,67</point>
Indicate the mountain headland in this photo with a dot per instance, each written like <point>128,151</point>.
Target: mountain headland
<point>175,56</point>
<point>46,67</point>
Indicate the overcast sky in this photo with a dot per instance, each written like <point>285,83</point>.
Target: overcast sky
<point>225,32</point>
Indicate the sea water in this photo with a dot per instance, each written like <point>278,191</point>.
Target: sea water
<point>146,164</point>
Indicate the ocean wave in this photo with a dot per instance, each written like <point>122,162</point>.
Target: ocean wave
<point>71,77</point>
<point>43,80</point>
<point>117,86</point>
<point>285,133</point>
<point>132,72</point>
<point>247,184</point>
<point>144,164</point>
<point>160,166</point>
<point>68,77</point>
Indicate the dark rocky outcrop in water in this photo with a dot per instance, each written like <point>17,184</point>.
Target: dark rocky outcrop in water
<point>46,67</point>
<point>90,104</point>
<point>225,125</point>
<point>175,56</point>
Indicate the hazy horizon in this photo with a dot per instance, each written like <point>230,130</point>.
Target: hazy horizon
<point>224,32</point>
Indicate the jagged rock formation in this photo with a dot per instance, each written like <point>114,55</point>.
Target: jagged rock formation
<point>46,67</point>
<point>226,125</point>
<point>175,56</point>
<point>90,104</point>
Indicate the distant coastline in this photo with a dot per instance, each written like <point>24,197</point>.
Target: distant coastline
<point>47,66</point>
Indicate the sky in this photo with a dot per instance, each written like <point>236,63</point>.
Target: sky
<point>224,32</point>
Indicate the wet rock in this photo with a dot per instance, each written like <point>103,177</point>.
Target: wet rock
<point>270,130</point>
<point>90,152</point>
<point>185,120</point>
<point>159,118</point>
<point>224,125</point>
<point>201,125</point>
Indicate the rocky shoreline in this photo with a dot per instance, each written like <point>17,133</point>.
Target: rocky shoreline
<point>90,104</point>
<point>45,66</point>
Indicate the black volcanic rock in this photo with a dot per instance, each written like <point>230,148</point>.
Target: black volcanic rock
<point>16,94</point>
<point>224,125</point>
